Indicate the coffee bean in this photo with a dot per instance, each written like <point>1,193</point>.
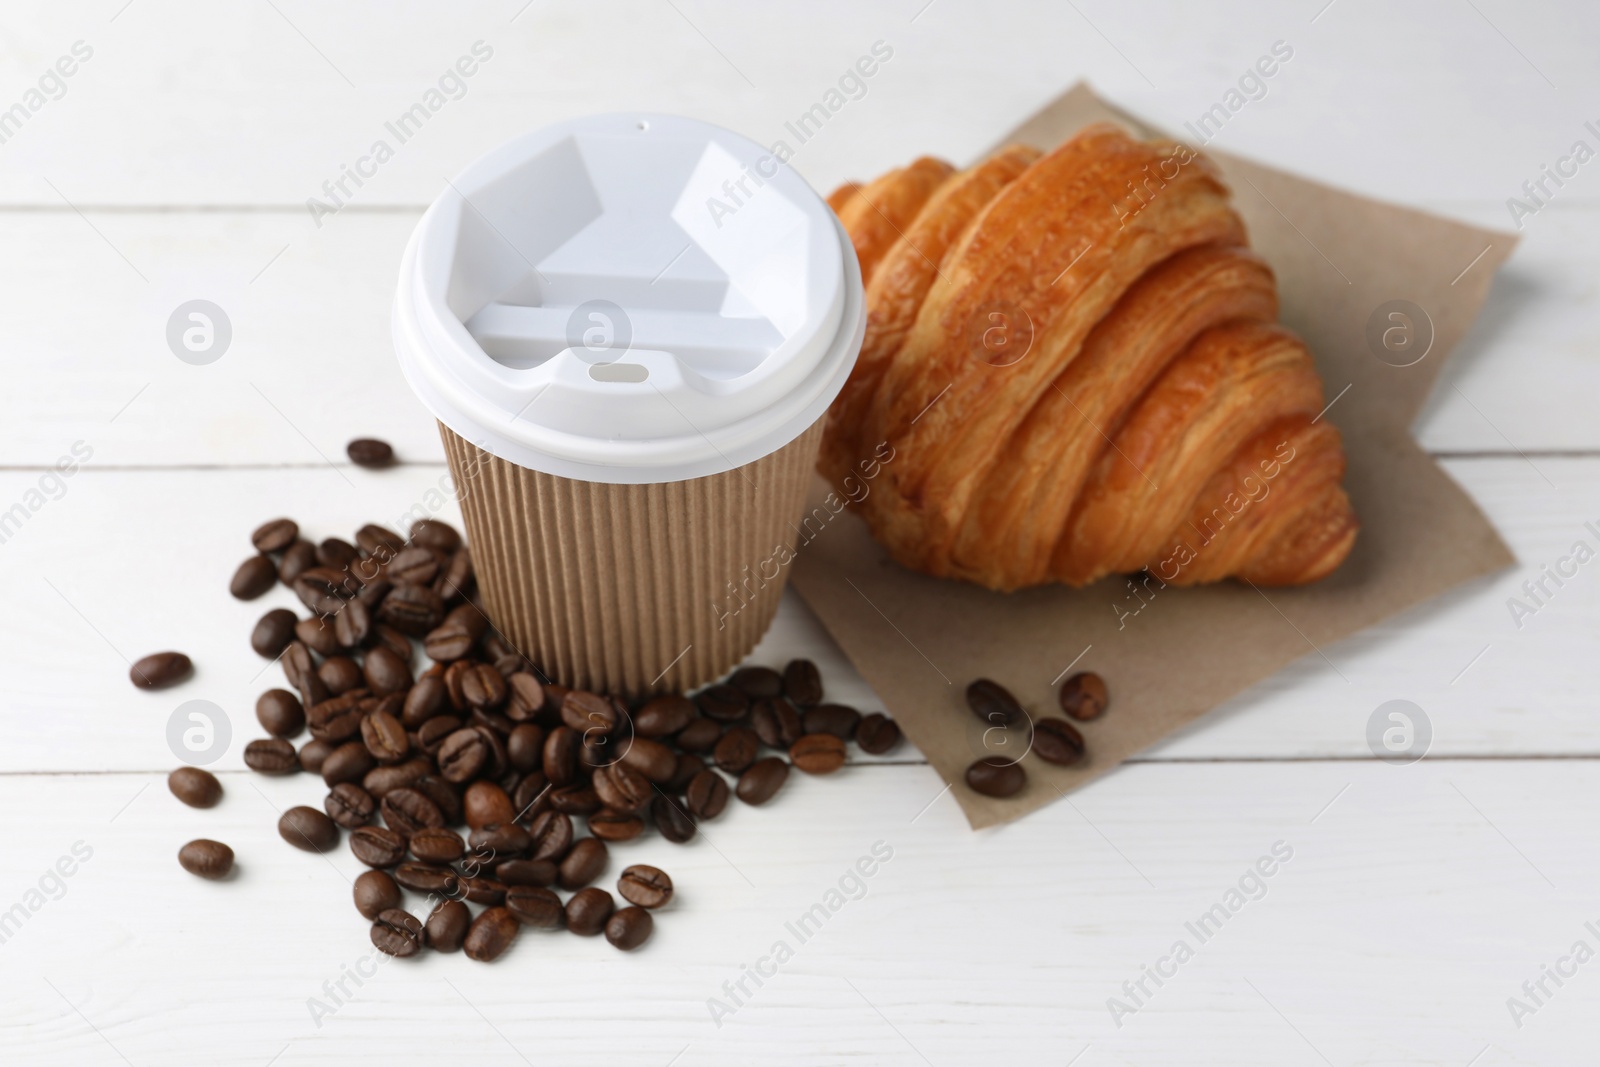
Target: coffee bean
<point>757,683</point>
<point>375,892</point>
<point>583,864</point>
<point>532,796</point>
<point>776,722</point>
<point>271,755</point>
<point>297,559</point>
<point>552,836</point>
<point>195,787</point>
<point>309,829</point>
<point>409,810</point>
<point>443,794</point>
<point>836,719</point>
<point>347,763</point>
<point>456,636</point>
<point>561,755</point>
<point>369,452</point>
<point>688,765</point>
<point>255,576</point>
<point>447,926</point>
<point>993,703</point>
<point>707,794</point>
<point>275,535</point>
<point>428,878</point>
<point>1057,741</point>
<point>482,890</point>
<point>437,844</point>
<point>527,872</point>
<point>650,758</point>
<point>802,683</point>
<point>526,697</point>
<point>996,777</point>
<point>336,554</point>
<point>413,565</point>
<point>610,825</point>
<point>411,609</point>
<point>379,541</point>
<point>1084,696</point>
<point>160,669</point>
<point>588,713</point>
<point>588,909</point>
<point>435,533</point>
<point>724,703</point>
<point>877,734</point>
<point>463,755</point>
<point>385,779</point>
<point>664,716</point>
<point>485,803</point>
<point>349,805</point>
<point>397,933</point>
<point>536,906</point>
<point>351,629</point>
<point>764,777</point>
<point>314,753</point>
<point>340,674</point>
<point>456,581</point>
<point>646,886</point>
<point>491,934</point>
<point>737,749</point>
<point>318,635</point>
<point>817,753</point>
<point>701,735</point>
<point>482,687</point>
<point>273,632</point>
<point>501,840</point>
<point>672,819</point>
<point>300,670</point>
<point>622,788</point>
<point>629,928</point>
<point>577,799</point>
<point>425,700</point>
<point>206,858</point>
<point>525,747</point>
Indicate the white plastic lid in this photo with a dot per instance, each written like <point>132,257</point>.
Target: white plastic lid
<point>629,298</point>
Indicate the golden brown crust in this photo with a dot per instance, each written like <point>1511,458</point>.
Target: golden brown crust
<point>877,215</point>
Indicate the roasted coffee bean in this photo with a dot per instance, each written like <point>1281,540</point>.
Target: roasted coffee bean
<point>160,669</point>
<point>336,554</point>
<point>413,565</point>
<point>375,892</point>
<point>552,836</point>
<point>300,671</point>
<point>583,864</point>
<point>352,627</point>
<point>273,632</point>
<point>348,763</point>
<point>309,829</point>
<point>255,576</point>
<point>384,737</point>
<point>437,844</point>
<point>609,825</point>
<point>536,906</point>
<point>1084,696</point>
<point>195,787</point>
<point>323,590</point>
<point>338,718</point>
<point>526,698</point>
<point>532,796</point>
<point>724,703</point>
<point>664,716</point>
<point>369,452</point>
<point>314,753</point>
<point>463,754</point>
<point>817,753</point>
<point>758,784</point>
<point>688,765</point>
<point>428,878</point>
<point>588,712</point>
<point>802,683</point>
<point>435,533</point>
<point>271,755</point>
<point>412,609</point>
<point>318,635</point>
<point>483,890</point>
<point>379,541</point>
<point>526,872</point>
<point>206,858</point>
<point>996,777</point>
<point>275,535</point>
<point>672,819</point>
<point>561,755</point>
<point>877,734</point>
<point>737,749</point>
<point>757,683</point>
<point>646,886</point>
<point>425,700</point>
<point>373,594</point>
<point>491,934</point>
<point>349,805</point>
<point>993,703</point>
<point>297,559</point>
<point>525,747</point>
<point>1057,741</point>
<point>456,636</point>
<point>588,909</point>
<point>386,778</point>
<point>576,799</point>
<point>397,933</point>
<point>482,688</point>
<point>622,788</point>
<point>485,803</point>
<point>340,674</point>
<point>650,758</point>
<point>409,810</point>
<point>701,736</point>
<point>447,926</point>
<point>836,719</point>
<point>629,928</point>
<point>443,794</point>
<point>707,795</point>
<point>504,840</point>
<point>455,581</point>
<point>776,722</point>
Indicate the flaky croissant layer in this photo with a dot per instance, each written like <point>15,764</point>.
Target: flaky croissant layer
<point>1076,359</point>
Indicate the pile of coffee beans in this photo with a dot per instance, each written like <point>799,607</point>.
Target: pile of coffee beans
<point>1083,697</point>
<point>479,780</point>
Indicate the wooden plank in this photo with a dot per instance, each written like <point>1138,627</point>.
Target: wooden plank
<point>128,562</point>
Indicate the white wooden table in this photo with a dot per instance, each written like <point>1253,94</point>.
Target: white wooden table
<point>176,163</point>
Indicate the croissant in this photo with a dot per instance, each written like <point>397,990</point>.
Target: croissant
<point>1076,360</point>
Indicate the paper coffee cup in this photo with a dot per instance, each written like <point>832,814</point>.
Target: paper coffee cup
<point>629,328</point>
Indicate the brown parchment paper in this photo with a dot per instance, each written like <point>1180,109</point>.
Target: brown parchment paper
<point>918,641</point>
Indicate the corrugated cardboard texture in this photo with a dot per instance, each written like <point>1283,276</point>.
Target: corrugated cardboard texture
<point>918,641</point>
<point>632,589</point>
